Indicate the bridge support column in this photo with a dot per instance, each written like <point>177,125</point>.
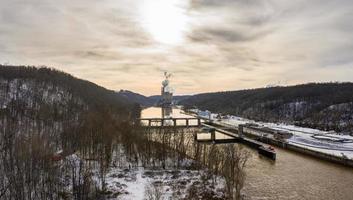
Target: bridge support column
<point>162,122</point>
<point>213,135</point>
<point>198,122</point>
<point>240,130</point>
<point>174,122</point>
<point>187,122</point>
<point>149,122</point>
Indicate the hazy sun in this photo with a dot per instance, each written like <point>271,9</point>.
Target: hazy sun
<point>165,20</point>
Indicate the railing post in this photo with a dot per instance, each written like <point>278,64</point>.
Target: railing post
<point>149,122</point>
<point>198,122</point>
<point>162,122</point>
<point>174,122</point>
<point>187,122</point>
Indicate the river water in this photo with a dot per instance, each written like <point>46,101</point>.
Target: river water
<point>291,176</point>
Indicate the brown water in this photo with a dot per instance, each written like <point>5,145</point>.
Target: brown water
<point>291,176</point>
<point>297,176</point>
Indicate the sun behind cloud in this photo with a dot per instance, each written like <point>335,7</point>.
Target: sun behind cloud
<point>166,21</point>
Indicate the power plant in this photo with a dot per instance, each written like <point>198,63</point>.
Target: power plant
<point>166,96</point>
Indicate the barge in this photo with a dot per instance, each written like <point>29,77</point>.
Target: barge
<point>267,151</point>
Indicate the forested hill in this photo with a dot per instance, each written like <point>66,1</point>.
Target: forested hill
<point>44,84</point>
<point>47,116</point>
<point>138,98</point>
<point>319,105</point>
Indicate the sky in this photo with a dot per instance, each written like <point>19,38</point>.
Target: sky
<point>208,45</point>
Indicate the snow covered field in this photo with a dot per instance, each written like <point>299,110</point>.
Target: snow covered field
<point>138,183</point>
<point>321,141</point>
<point>126,181</point>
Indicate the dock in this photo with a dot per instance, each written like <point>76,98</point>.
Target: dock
<point>238,138</point>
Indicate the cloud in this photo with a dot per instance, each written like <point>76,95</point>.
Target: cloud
<point>227,44</point>
<point>225,35</point>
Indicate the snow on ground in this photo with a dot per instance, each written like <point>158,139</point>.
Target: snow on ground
<point>132,184</point>
<point>321,141</point>
<point>137,189</point>
<point>126,184</point>
<point>125,181</point>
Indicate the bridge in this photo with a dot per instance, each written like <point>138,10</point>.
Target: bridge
<point>235,135</point>
<point>181,122</point>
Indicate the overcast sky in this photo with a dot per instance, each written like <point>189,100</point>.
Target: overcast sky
<point>208,45</point>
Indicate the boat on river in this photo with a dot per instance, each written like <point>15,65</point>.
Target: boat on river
<point>269,152</point>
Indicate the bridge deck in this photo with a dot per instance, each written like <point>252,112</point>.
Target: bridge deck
<point>225,132</point>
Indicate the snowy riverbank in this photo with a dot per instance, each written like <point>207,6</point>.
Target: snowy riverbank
<point>328,142</point>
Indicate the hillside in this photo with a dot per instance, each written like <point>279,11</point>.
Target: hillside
<point>52,102</point>
<point>22,81</point>
<point>137,98</point>
<point>46,116</point>
<point>327,106</point>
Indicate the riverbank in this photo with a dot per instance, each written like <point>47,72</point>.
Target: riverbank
<point>328,146</point>
<point>292,176</point>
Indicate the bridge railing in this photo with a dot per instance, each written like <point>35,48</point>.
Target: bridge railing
<point>170,122</point>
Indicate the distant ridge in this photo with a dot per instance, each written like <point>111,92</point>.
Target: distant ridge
<point>137,98</point>
<point>145,101</point>
<point>327,106</point>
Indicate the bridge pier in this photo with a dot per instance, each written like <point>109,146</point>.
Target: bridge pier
<point>240,130</point>
<point>213,135</point>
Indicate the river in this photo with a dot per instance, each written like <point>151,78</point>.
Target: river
<point>292,176</point>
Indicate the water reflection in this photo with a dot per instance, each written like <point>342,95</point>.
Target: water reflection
<point>167,112</point>
<point>156,112</point>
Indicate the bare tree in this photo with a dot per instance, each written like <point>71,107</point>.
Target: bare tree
<point>234,163</point>
<point>154,192</point>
